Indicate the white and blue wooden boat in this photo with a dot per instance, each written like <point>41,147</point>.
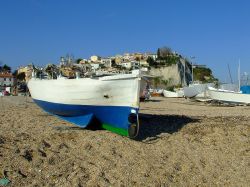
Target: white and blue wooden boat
<point>113,100</point>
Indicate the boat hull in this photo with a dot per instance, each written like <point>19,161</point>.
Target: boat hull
<point>196,90</point>
<point>171,94</point>
<point>190,92</point>
<point>229,97</point>
<point>112,101</point>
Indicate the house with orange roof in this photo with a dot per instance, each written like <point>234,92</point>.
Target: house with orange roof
<point>6,80</point>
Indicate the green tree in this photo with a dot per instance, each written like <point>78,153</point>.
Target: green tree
<point>15,73</point>
<point>113,64</point>
<point>79,60</point>
<point>151,61</point>
<point>203,74</point>
<point>5,68</point>
<point>157,81</point>
<point>21,76</point>
<point>137,58</point>
<point>165,83</point>
<point>163,52</point>
<point>158,53</point>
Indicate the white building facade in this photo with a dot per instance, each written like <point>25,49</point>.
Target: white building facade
<point>6,80</point>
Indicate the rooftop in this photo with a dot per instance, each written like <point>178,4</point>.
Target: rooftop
<point>6,75</point>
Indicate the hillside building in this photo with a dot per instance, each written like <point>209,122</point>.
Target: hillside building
<point>6,80</point>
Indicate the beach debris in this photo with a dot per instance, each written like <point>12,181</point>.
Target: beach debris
<point>42,153</point>
<point>5,173</point>
<point>88,146</point>
<point>23,136</point>
<point>63,145</point>
<point>17,151</point>
<point>4,182</point>
<point>28,155</point>
<point>22,173</point>
<point>2,140</point>
<point>52,161</point>
<point>46,144</point>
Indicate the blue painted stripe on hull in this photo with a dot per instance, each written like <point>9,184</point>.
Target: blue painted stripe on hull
<point>116,116</point>
<point>81,121</point>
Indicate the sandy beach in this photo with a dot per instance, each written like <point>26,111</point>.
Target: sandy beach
<point>181,143</point>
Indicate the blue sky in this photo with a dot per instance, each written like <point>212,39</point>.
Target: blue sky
<point>216,32</point>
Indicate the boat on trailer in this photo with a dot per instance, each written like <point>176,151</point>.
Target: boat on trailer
<point>109,101</point>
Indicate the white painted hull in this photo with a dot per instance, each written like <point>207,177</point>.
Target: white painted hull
<point>230,97</point>
<point>196,90</point>
<point>190,92</point>
<point>117,90</point>
<point>110,101</point>
<point>170,94</point>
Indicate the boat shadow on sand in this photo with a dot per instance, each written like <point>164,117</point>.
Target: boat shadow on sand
<point>152,125</point>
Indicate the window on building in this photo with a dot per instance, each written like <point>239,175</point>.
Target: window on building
<point>10,79</point>
<point>4,79</point>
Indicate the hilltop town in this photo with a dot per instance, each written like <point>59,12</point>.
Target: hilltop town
<point>168,69</point>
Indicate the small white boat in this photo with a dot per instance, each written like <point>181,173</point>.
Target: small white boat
<point>228,96</point>
<point>229,87</point>
<point>158,91</point>
<point>178,93</point>
<point>190,92</point>
<point>196,90</point>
